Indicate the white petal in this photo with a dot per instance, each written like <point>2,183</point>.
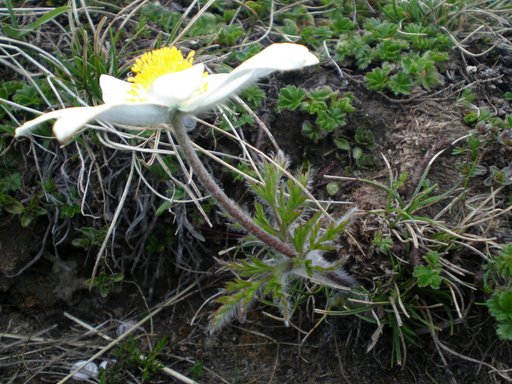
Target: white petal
<point>280,57</point>
<point>171,89</point>
<point>73,119</point>
<point>135,114</point>
<point>114,91</point>
<point>276,57</point>
<point>27,127</point>
<point>219,87</point>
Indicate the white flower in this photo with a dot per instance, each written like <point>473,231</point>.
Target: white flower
<point>164,82</point>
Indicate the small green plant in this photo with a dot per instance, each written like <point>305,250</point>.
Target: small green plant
<point>91,237</point>
<point>140,363</point>
<point>327,107</point>
<point>329,110</point>
<point>282,210</point>
<point>105,282</point>
<point>429,275</point>
<point>500,307</point>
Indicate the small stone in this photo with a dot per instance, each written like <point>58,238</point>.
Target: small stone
<point>90,370</point>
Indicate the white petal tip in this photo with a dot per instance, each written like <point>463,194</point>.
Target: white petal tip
<point>311,60</point>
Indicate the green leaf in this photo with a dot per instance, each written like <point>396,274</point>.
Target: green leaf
<point>390,50</point>
<point>343,24</point>
<point>11,205</point>
<point>310,131</point>
<point>332,188</point>
<point>332,119</point>
<point>357,152</point>
<point>433,259</point>
<point>164,207</point>
<point>69,211</point>
<point>344,103</point>
<point>426,276</point>
<point>290,97</point>
<point>401,84</point>
<point>504,330</point>
<point>315,35</point>
<point>503,262</point>
<point>290,27</point>
<point>354,46</point>
<point>20,32</point>
<point>321,94</point>
<point>364,137</point>
<point>314,107</point>
<point>11,182</point>
<point>377,79</point>
<point>342,143</point>
<point>500,306</point>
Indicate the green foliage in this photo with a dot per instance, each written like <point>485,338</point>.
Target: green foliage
<point>105,282</point>
<point>206,27</point>
<point>383,243</point>
<point>492,142</point>
<point>240,55</point>
<point>402,294</point>
<point>499,177</point>
<point>400,84</point>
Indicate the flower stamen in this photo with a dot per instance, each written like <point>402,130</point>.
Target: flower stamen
<point>151,65</point>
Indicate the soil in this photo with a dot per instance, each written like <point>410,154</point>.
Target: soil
<point>39,341</point>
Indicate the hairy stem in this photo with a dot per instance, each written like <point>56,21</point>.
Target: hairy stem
<point>232,209</point>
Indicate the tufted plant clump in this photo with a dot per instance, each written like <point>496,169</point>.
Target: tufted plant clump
<point>283,209</point>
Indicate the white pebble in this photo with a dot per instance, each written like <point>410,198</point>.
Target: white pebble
<point>90,370</point>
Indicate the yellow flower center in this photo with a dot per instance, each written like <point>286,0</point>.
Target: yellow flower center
<point>151,65</point>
